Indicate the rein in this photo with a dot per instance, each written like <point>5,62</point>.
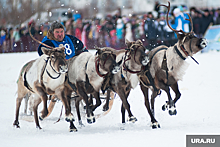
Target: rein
<point>97,67</point>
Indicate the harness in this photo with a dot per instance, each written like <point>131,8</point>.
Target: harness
<point>185,51</point>
<point>146,72</point>
<point>129,58</point>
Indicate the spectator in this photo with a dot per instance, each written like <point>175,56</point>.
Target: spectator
<point>150,28</point>
<point>119,32</point>
<point>218,17</point>
<point>207,20</point>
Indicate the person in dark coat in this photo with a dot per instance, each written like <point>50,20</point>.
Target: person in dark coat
<point>207,19</point>
<point>197,21</point>
<point>56,36</point>
<point>150,28</point>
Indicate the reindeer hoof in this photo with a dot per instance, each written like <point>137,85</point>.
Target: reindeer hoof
<point>69,118</point>
<point>173,112</point>
<point>132,119</point>
<point>73,130</point>
<point>155,125</point>
<point>41,118</point>
<point>38,127</point>
<point>81,124</point>
<point>105,108</point>
<point>91,119</point>
<point>164,107</point>
<point>16,124</point>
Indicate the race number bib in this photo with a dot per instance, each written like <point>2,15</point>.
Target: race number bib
<point>67,49</point>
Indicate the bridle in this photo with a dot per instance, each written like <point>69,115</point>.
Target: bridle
<point>185,51</point>
<point>46,62</point>
<point>129,58</point>
<point>54,71</point>
<point>98,64</point>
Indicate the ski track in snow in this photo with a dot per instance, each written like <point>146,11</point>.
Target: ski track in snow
<point>197,112</point>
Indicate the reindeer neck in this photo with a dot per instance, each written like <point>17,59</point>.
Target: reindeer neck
<point>180,49</point>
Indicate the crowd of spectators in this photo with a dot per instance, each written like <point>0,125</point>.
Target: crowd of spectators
<point>112,31</point>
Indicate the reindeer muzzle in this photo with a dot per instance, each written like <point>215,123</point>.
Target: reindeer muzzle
<point>116,69</point>
<point>63,68</point>
<point>145,60</point>
<point>203,43</point>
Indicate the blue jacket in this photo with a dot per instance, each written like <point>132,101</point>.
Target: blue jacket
<point>73,46</point>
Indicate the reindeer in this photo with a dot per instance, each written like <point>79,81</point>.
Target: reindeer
<point>43,76</point>
<point>87,72</point>
<point>132,60</point>
<point>167,66</point>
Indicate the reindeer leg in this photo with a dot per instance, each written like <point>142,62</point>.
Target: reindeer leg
<point>78,111</point>
<point>123,113</point>
<point>26,103</point>
<point>44,98</point>
<point>106,106</point>
<point>126,106</point>
<point>72,127</point>
<point>153,96</point>
<point>18,104</point>
<point>175,88</point>
<point>36,103</point>
<point>83,94</point>
<point>154,122</point>
<point>170,104</point>
<point>98,101</point>
<point>66,102</point>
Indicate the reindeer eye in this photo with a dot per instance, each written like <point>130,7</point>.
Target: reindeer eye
<point>52,56</point>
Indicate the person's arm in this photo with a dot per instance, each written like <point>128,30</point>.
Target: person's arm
<point>78,45</point>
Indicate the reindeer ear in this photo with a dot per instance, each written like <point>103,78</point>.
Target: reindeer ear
<point>99,51</point>
<point>46,51</point>
<point>128,43</point>
<point>139,42</point>
<point>180,36</point>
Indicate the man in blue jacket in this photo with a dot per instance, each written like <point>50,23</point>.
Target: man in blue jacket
<point>56,36</point>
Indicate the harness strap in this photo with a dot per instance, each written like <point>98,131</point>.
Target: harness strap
<point>126,68</point>
<point>164,66</point>
<point>157,52</point>
<point>178,52</point>
<point>53,77</point>
<point>41,79</point>
<point>97,68</point>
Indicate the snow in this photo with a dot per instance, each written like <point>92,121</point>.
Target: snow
<point>197,112</point>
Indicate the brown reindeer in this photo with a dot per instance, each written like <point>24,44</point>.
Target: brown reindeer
<point>43,76</point>
<point>167,66</point>
<point>132,59</point>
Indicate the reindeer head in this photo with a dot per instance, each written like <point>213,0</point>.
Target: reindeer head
<point>188,42</point>
<point>56,58</point>
<point>107,60</point>
<point>137,52</point>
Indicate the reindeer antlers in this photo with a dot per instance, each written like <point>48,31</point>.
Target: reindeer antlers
<point>38,40</point>
<point>190,19</point>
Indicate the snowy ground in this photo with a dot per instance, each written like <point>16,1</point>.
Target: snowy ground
<point>197,112</point>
